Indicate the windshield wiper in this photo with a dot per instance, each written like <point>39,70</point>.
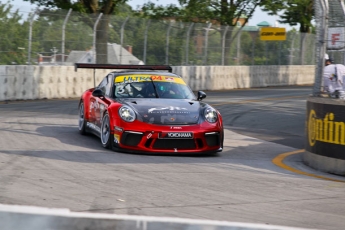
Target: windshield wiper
<point>154,87</point>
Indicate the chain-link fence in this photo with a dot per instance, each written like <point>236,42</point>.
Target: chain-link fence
<point>330,34</point>
<point>335,37</point>
<point>65,37</point>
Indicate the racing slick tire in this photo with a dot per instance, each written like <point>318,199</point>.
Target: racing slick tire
<point>82,122</point>
<point>107,138</point>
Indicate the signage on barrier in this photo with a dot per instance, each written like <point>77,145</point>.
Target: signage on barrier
<point>272,34</point>
<point>325,127</point>
<point>336,38</point>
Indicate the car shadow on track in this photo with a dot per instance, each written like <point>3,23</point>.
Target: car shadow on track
<point>70,135</point>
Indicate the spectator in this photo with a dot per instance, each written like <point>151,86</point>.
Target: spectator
<point>333,76</point>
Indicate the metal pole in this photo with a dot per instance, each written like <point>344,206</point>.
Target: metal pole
<point>280,48</point>
<point>63,36</point>
<point>30,36</point>
<point>206,42</point>
<point>342,5</point>
<point>94,37</point>
<point>321,34</point>
<point>292,49</point>
<point>145,40</point>
<point>187,42</point>
<point>238,48</point>
<point>122,32</point>
<point>223,44</point>
<point>167,45</point>
<point>253,50</point>
<point>266,52</point>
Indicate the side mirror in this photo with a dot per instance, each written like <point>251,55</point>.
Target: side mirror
<point>201,95</point>
<point>98,93</point>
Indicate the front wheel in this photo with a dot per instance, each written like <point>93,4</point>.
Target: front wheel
<point>107,138</point>
<point>82,122</point>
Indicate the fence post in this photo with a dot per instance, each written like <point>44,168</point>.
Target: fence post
<point>292,49</point>
<point>187,42</point>
<point>30,35</point>
<point>280,48</point>
<point>266,53</point>
<point>301,50</point>
<point>167,45</point>
<point>238,55</point>
<point>223,44</point>
<point>63,35</point>
<point>253,50</point>
<point>122,35</point>
<point>145,40</point>
<point>321,38</point>
<point>206,42</point>
<point>94,36</point>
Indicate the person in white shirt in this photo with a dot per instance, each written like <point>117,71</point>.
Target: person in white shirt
<point>333,76</point>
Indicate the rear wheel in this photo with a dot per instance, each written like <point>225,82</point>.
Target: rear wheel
<point>82,122</point>
<point>107,138</point>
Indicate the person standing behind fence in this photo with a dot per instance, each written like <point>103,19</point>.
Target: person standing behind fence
<point>333,75</point>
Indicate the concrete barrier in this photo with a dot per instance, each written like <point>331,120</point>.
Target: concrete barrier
<point>325,135</point>
<point>36,218</point>
<point>238,77</point>
<point>38,82</point>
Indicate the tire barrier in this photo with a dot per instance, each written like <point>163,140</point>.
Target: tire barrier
<point>48,82</point>
<point>35,218</point>
<point>325,135</point>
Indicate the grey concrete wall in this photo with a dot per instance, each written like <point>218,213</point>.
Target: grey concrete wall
<point>324,163</point>
<point>237,77</point>
<point>38,82</point>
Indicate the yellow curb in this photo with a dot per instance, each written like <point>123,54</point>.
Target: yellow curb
<point>279,162</point>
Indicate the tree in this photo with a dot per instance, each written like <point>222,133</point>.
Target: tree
<point>12,33</point>
<point>220,12</point>
<point>294,12</point>
<point>47,31</point>
<point>95,7</point>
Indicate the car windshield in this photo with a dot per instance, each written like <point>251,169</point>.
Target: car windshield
<point>146,86</point>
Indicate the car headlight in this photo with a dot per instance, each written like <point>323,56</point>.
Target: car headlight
<point>211,115</point>
<point>127,114</point>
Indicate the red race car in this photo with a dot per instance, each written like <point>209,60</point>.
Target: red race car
<point>148,109</point>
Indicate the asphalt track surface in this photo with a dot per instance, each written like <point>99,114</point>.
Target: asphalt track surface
<point>44,161</point>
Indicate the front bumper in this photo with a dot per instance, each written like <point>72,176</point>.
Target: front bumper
<point>205,138</point>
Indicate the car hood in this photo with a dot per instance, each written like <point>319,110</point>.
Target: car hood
<point>166,111</point>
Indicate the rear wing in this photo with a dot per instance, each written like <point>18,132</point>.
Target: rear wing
<point>128,67</point>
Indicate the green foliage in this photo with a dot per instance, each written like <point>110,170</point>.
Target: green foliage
<point>47,29</point>
<point>164,46</point>
<point>91,7</point>
<point>11,27</point>
<point>157,12</point>
<point>219,11</point>
<point>295,12</point>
